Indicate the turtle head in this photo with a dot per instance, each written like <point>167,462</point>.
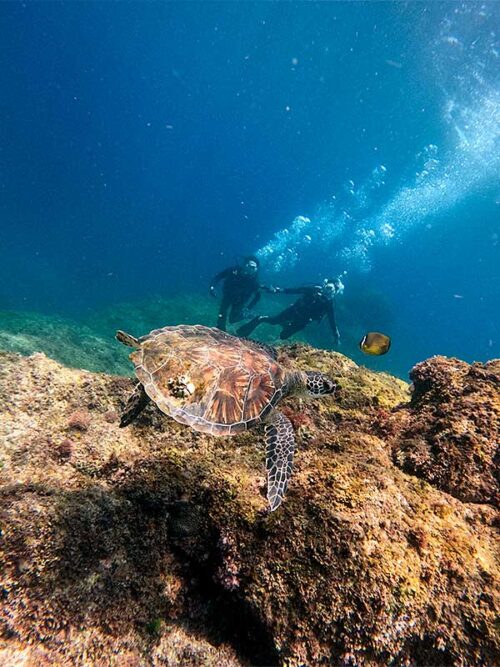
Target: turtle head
<point>319,384</point>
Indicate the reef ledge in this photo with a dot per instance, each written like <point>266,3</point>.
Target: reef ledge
<point>151,545</point>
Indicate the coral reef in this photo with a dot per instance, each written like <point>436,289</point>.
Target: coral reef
<point>152,544</point>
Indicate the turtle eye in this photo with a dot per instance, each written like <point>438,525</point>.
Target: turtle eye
<point>326,386</point>
<point>329,386</point>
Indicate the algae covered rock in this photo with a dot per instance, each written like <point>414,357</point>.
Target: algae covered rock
<point>152,544</point>
<point>452,434</point>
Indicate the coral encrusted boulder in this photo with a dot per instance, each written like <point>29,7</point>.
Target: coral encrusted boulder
<point>452,434</point>
<point>153,545</point>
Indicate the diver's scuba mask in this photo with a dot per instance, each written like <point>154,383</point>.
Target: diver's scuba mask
<point>250,267</point>
<point>328,289</point>
<point>332,287</point>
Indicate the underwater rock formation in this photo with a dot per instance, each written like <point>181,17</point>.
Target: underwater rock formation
<point>152,544</point>
<point>452,433</point>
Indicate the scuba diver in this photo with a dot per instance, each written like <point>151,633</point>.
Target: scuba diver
<point>240,292</point>
<point>313,304</point>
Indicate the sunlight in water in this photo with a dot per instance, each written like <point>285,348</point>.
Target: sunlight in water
<point>348,227</point>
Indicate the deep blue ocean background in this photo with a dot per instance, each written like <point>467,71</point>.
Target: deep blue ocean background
<point>145,146</point>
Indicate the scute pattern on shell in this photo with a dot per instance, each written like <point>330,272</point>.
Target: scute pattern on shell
<point>236,382</point>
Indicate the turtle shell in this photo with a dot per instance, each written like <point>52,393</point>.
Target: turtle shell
<point>205,378</point>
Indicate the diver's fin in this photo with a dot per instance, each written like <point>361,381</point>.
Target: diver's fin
<point>246,329</point>
<point>127,339</point>
<point>135,405</point>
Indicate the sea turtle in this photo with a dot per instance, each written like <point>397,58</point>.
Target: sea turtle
<point>221,385</point>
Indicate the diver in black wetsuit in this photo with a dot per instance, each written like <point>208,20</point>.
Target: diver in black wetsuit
<point>240,292</point>
<point>314,303</point>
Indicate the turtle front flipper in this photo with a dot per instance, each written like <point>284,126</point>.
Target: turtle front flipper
<point>135,405</point>
<point>280,447</point>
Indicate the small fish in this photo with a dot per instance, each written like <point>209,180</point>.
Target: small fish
<point>375,343</point>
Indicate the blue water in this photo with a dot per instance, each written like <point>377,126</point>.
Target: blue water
<point>145,146</point>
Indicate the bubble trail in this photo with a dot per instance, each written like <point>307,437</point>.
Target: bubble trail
<point>465,55</point>
<point>330,221</point>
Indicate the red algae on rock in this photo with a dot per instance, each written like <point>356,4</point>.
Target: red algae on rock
<point>152,545</point>
<point>79,420</point>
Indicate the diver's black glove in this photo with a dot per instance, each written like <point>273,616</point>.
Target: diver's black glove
<point>213,292</point>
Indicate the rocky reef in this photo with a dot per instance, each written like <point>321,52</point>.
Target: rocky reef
<point>451,434</point>
<point>152,545</point>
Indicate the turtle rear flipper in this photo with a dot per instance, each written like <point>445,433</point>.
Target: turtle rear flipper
<point>280,447</point>
<point>127,339</point>
<point>135,405</point>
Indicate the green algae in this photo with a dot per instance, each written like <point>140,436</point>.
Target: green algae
<point>155,627</point>
<point>71,343</point>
